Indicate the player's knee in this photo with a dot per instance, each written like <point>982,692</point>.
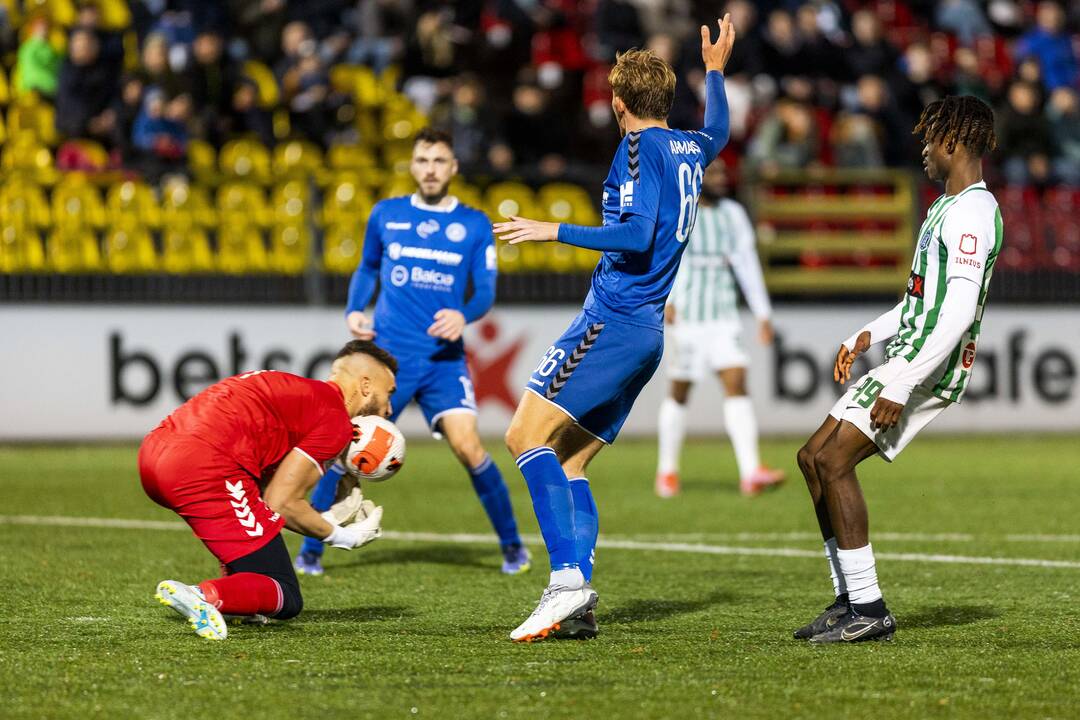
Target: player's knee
<point>292,602</point>
<point>828,464</point>
<point>805,458</point>
<point>518,439</point>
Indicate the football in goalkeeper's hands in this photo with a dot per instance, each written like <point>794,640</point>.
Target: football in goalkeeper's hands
<point>377,449</point>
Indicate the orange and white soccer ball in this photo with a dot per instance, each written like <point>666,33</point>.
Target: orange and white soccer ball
<point>377,449</point>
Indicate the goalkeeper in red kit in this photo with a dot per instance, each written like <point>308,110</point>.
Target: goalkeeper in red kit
<point>237,461</point>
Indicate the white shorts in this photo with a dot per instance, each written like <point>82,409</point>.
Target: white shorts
<point>855,405</point>
<point>698,348</point>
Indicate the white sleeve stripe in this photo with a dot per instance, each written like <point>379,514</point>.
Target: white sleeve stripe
<point>318,465</point>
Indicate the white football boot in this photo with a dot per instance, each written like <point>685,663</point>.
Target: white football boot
<point>556,605</point>
<point>205,619</point>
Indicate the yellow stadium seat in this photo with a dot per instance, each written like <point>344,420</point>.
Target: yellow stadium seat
<point>186,250</point>
<point>351,157</point>
<point>77,204</point>
<point>509,257</point>
<point>359,82</point>
<point>130,249</point>
<point>564,202</point>
<point>289,249</point>
<point>586,259</point>
<point>23,205</point>
<point>26,156</point>
<point>34,119</point>
<point>131,201</point>
<point>243,203</point>
<point>297,158</point>
<point>202,160</point>
<point>560,258</point>
<point>73,250</point>
<point>5,88</point>
<point>398,185</point>
<point>61,12</point>
<point>466,193</point>
<point>115,15</point>
<point>20,250</point>
<point>341,248</point>
<point>345,202</point>
<point>240,249</point>
<point>186,204</point>
<point>503,199</point>
<point>264,80</point>
<point>401,120</point>
<point>291,203</point>
<point>245,160</point>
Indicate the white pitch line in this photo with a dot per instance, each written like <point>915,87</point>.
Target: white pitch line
<point>608,543</point>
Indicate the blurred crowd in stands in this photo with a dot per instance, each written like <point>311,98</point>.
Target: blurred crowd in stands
<point>522,86</point>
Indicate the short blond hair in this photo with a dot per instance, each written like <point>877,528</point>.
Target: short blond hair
<point>644,82</point>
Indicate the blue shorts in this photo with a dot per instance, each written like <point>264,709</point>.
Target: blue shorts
<point>439,387</point>
<point>596,370</point>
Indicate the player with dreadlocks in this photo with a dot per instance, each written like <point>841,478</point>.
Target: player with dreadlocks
<point>934,331</point>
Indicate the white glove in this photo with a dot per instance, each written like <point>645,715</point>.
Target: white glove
<point>360,532</point>
<point>345,510</point>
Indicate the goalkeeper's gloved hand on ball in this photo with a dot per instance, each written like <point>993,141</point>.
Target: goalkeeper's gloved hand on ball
<point>346,510</point>
<point>364,529</point>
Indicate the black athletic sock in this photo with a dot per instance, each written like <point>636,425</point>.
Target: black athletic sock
<point>874,609</point>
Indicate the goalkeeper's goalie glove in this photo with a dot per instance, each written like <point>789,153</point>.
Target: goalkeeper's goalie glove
<point>346,510</point>
<point>367,528</point>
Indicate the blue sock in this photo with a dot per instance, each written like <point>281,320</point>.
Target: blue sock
<point>586,525</point>
<point>322,497</point>
<point>553,504</point>
<point>490,488</point>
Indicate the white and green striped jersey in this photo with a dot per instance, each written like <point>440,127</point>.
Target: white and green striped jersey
<point>721,250</point>
<point>960,238</point>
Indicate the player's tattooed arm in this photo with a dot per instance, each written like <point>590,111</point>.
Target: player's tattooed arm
<point>845,358</point>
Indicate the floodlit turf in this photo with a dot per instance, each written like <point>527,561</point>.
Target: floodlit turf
<point>419,629</point>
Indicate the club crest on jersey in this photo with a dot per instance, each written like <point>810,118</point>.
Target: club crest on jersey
<point>427,228</point>
<point>915,285</point>
<point>968,243</point>
<point>455,232</point>
<point>924,241</point>
<point>399,275</point>
<point>968,356</point>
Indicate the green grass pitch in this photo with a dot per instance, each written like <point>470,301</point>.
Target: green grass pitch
<point>418,628</point>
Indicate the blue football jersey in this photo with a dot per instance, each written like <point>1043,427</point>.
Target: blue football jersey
<point>428,256</point>
<point>656,174</point>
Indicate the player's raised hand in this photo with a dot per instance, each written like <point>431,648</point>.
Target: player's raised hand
<point>846,358</point>
<point>715,55</point>
<point>518,230</point>
<point>359,325</point>
<point>448,325</point>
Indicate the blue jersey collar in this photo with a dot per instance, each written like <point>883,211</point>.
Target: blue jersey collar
<point>420,204</point>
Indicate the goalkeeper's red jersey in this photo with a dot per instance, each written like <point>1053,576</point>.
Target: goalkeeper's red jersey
<point>256,418</point>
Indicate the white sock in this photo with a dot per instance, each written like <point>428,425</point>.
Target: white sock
<point>671,434</point>
<point>838,585</point>
<point>742,429</point>
<point>860,575</point>
<point>567,577</point>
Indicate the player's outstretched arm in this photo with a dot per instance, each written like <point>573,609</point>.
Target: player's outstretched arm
<point>631,235</point>
<point>286,494</point>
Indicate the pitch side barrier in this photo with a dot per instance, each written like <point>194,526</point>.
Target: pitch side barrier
<point>126,366</point>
